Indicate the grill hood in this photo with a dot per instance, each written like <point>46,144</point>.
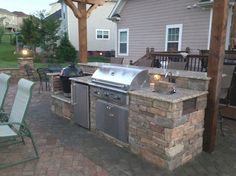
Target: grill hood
<point>121,77</point>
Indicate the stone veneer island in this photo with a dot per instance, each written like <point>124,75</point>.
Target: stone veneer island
<point>166,130</point>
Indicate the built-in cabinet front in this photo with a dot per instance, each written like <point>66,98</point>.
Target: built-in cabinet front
<point>80,93</point>
<point>112,119</point>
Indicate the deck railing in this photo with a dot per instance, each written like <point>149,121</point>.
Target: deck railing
<point>193,62</point>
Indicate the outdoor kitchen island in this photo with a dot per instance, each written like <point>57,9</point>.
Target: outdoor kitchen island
<point>165,129</point>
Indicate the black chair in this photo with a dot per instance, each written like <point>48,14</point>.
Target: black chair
<point>30,72</point>
<point>43,78</point>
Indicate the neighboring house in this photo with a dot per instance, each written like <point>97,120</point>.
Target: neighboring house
<point>54,8</point>
<point>12,21</point>
<point>55,13</point>
<point>101,31</point>
<point>164,25</point>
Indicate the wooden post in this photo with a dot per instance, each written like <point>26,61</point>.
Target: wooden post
<point>83,53</point>
<point>215,65</point>
<point>81,13</point>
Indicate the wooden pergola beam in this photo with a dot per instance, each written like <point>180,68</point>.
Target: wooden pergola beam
<point>73,8</point>
<point>215,66</point>
<point>97,2</point>
<point>81,13</point>
<point>83,48</point>
<point>91,8</point>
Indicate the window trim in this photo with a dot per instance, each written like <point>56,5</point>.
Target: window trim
<point>119,31</point>
<point>180,26</point>
<point>108,30</point>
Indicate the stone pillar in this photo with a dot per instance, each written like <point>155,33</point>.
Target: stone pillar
<point>23,61</point>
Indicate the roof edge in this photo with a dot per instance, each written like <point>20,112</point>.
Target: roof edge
<point>117,9</point>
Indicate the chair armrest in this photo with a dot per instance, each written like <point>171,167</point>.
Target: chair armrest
<point>3,117</point>
<point>24,130</point>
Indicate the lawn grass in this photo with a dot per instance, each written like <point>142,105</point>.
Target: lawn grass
<point>8,58</point>
<point>7,52</point>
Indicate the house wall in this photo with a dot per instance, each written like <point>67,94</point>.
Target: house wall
<point>10,20</point>
<point>64,19</point>
<point>97,20</point>
<point>147,20</point>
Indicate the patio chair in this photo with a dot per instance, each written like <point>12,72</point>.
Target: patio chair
<point>225,92</point>
<point>13,128</point>
<point>4,85</point>
<point>30,72</point>
<point>43,78</point>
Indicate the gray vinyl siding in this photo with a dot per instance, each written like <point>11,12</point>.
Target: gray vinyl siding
<point>147,20</point>
<point>97,20</point>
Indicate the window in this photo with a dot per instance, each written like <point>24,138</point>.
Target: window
<point>173,37</point>
<point>123,42</point>
<point>102,34</point>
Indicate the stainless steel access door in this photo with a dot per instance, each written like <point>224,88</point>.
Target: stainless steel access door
<point>81,104</point>
<point>112,119</point>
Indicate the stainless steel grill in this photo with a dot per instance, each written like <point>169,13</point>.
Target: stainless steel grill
<point>120,78</point>
<point>110,84</point>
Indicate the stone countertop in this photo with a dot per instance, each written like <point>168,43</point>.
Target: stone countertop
<point>83,79</point>
<point>152,70</point>
<point>180,95</point>
<point>180,73</point>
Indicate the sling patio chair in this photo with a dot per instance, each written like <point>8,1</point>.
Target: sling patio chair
<point>13,128</point>
<point>4,85</point>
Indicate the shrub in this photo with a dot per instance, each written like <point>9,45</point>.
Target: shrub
<point>66,52</point>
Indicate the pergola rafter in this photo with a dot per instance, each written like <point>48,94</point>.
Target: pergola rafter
<point>82,13</point>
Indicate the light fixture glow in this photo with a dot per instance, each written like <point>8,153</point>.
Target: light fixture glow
<point>24,52</point>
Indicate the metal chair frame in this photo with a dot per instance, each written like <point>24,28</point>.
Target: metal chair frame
<point>13,127</point>
<point>42,73</point>
<point>4,85</point>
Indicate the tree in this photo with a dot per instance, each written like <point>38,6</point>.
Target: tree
<point>48,33</point>
<point>66,51</point>
<point>30,31</point>
<point>41,31</point>
<point>1,33</point>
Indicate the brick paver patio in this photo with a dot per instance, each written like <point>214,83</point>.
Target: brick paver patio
<point>68,150</point>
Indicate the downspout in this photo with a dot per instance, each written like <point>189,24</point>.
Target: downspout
<point>210,26</point>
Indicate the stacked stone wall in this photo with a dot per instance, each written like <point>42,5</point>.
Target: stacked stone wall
<point>160,132</point>
<point>14,72</point>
